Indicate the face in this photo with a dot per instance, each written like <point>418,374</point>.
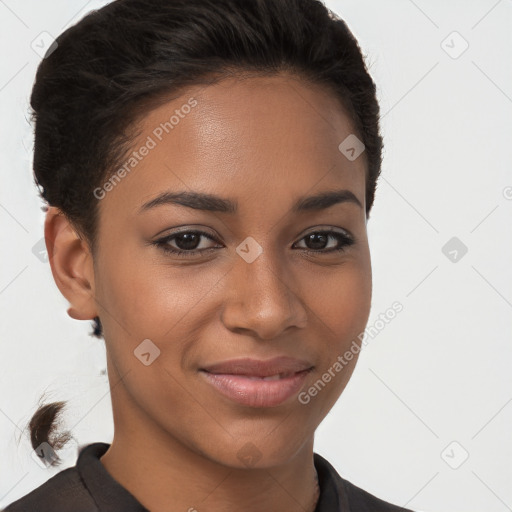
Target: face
<point>262,271</point>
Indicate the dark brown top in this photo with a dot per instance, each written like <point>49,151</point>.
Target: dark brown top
<point>88,487</point>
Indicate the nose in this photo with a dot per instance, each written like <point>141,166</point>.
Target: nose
<point>262,299</point>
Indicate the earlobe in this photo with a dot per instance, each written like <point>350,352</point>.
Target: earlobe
<point>71,264</point>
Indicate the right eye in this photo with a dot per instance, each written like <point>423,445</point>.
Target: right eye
<point>186,242</point>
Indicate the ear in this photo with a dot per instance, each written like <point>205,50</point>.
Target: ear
<point>71,263</point>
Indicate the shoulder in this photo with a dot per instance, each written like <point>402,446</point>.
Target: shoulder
<point>63,492</point>
<point>341,494</point>
<point>362,501</point>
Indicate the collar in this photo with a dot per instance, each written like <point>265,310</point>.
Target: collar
<point>108,494</point>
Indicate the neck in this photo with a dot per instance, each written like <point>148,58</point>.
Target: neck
<point>158,475</point>
<point>165,474</point>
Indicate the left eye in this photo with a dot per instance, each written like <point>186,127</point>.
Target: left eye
<point>320,238</point>
<point>187,242</point>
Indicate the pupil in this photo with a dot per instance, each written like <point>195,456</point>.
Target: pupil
<point>190,241</point>
<point>316,236</point>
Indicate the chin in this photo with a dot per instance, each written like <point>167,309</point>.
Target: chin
<point>257,452</point>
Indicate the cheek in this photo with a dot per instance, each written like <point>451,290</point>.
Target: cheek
<point>340,301</point>
<point>150,299</point>
<point>341,313</point>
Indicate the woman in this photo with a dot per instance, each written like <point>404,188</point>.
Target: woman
<point>210,167</point>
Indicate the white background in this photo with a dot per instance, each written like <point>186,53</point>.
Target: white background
<point>439,372</point>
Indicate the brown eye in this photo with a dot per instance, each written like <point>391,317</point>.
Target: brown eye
<point>318,241</point>
<point>185,243</point>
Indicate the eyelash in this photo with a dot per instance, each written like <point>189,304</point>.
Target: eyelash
<point>162,243</point>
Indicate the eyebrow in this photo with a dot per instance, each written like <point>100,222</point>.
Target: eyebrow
<point>213,203</point>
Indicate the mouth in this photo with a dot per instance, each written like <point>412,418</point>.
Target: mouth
<point>257,383</point>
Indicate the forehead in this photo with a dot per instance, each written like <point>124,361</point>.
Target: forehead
<point>256,139</point>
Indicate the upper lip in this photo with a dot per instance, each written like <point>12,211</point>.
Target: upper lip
<point>282,365</point>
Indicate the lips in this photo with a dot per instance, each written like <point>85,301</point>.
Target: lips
<point>279,366</point>
<point>258,383</point>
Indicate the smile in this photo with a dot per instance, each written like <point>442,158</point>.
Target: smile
<point>254,391</point>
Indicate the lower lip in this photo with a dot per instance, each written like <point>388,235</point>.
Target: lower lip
<point>256,392</point>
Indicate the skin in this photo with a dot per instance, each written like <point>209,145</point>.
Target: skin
<point>262,142</point>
